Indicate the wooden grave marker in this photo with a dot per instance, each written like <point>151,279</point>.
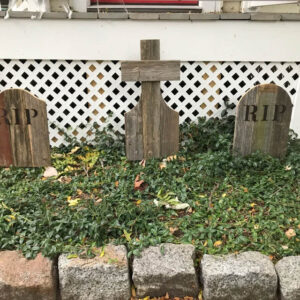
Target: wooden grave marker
<point>262,121</point>
<point>151,127</point>
<point>24,138</point>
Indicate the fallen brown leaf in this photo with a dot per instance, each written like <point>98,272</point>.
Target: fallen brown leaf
<point>50,172</point>
<point>290,233</point>
<point>64,179</point>
<point>139,184</point>
<point>173,229</point>
<point>133,293</point>
<point>98,201</point>
<point>172,157</point>
<point>218,243</point>
<point>142,163</point>
<point>162,165</point>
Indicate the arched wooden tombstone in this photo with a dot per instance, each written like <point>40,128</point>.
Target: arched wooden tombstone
<point>262,121</point>
<point>152,128</point>
<point>24,137</point>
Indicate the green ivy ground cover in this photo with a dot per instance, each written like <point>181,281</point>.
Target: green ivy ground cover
<point>234,204</point>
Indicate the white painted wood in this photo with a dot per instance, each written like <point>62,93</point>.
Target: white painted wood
<point>212,6</point>
<point>29,5</point>
<point>248,6</point>
<point>268,2</point>
<point>80,5</point>
<point>59,5</point>
<point>231,6</point>
<point>84,92</point>
<point>180,40</point>
<point>295,122</point>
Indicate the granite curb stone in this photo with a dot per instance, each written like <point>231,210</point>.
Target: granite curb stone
<point>23,279</point>
<point>104,277</point>
<point>288,271</point>
<point>249,275</point>
<point>167,268</point>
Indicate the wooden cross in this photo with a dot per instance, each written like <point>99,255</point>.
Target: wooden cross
<point>151,127</point>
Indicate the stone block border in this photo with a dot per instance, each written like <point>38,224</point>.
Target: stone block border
<point>166,268</point>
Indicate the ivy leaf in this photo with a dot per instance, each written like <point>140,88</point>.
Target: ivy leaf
<point>127,235</point>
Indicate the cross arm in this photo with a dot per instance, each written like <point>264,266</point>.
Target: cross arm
<point>150,70</point>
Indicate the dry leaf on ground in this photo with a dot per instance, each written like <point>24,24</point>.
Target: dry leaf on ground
<point>50,172</point>
<point>143,163</point>
<point>139,184</point>
<point>64,179</point>
<point>162,165</point>
<point>290,233</point>
<point>218,243</point>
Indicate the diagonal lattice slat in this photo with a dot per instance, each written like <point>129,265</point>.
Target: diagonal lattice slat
<point>81,93</point>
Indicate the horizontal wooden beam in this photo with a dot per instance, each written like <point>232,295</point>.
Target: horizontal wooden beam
<point>150,70</point>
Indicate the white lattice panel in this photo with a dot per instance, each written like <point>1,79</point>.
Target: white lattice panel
<point>81,93</point>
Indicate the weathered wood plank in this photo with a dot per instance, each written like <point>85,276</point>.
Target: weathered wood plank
<point>6,156</point>
<point>174,16</point>
<point>143,16</point>
<point>112,15</point>
<point>84,15</point>
<point>290,17</point>
<point>202,16</point>
<point>26,120</point>
<point>134,133</point>
<point>259,16</point>
<point>262,121</point>
<point>235,16</point>
<point>152,128</point>
<point>150,49</point>
<point>55,15</point>
<point>151,70</point>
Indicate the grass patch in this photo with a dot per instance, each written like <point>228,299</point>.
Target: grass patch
<point>235,204</point>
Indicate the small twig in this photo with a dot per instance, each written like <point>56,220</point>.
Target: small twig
<point>277,191</point>
<point>86,170</point>
<point>101,163</point>
<point>211,195</point>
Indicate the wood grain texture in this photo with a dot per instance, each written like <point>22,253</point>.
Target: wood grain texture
<point>262,121</point>
<point>150,49</point>
<point>150,70</point>
<point>26,131</point>
<point>6,155</point>
<point>152,128</point>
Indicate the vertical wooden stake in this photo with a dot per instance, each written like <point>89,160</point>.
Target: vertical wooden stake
<point>152,128</point>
